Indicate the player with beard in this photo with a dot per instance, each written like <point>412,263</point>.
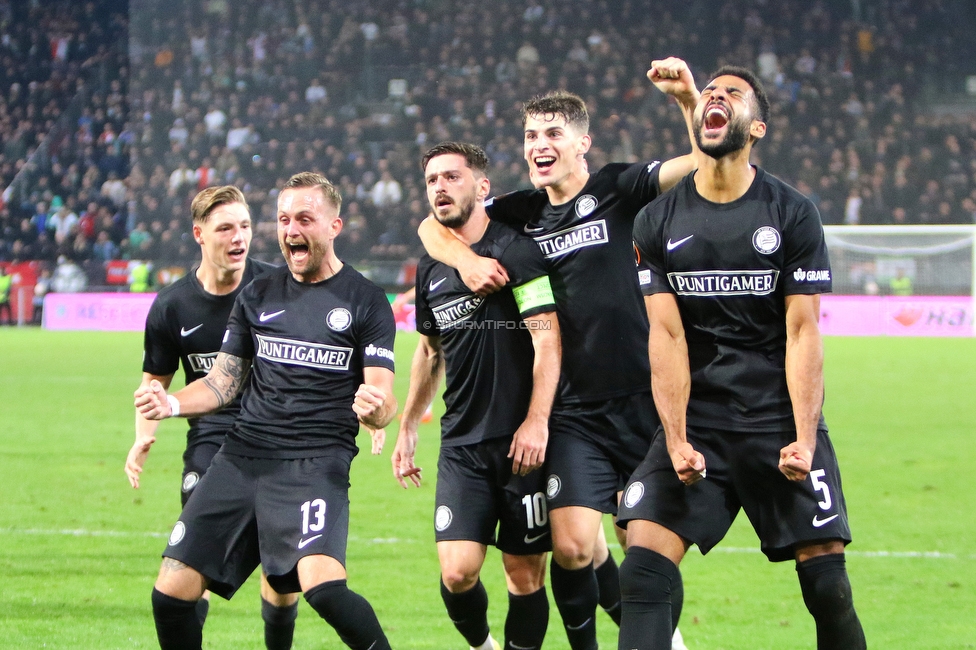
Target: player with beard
<point>501,356</point>
<point>737,262</point>
<point>186,324</point>
<point>313,342</point>
<point>604,418</point>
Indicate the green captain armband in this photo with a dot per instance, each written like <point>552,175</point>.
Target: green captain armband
<point>534,293</point>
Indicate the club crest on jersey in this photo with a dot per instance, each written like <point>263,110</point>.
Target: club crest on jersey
<point>443,518</point>
<point>190,481</point>
<point>339,319</point>
<point>766,240</point>
<point>634,494</point>
<point>585,205</point>
<point>553,485</point>
<point>179,532</point>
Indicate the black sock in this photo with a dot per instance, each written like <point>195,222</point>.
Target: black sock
<point>608,579</point>
<point>576,595</point>
<point>527,620</point>
<point>279,625</point>
<point>677,599</point>
<point>468,611</point>
<point>177,626</point>
<point>349,614</point>
<point>827,595</point>
<point>647,583</point>
<point>202,609</point>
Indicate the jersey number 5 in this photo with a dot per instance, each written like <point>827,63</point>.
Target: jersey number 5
<point>819,485</point>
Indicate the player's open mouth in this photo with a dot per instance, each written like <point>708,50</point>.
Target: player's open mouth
<point>237,254</point>
<point>443,201</point>
<point>716,117</point>
<point>298,251</point>
<point>544,162</point>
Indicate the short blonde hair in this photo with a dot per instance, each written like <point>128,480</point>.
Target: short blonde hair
<point>211,198</point>
<point>314,179</point>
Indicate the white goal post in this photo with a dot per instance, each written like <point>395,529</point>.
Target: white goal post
<point>937,260</point>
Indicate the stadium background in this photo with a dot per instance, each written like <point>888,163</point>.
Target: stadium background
<point>114,114</point>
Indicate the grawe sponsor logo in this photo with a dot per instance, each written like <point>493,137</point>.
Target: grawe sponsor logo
<point>303,353</point>
<point>724,283</point>
<point>820,275</point>
<point>575,238</point>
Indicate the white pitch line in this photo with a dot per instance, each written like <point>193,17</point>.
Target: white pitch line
<point>81,532</point>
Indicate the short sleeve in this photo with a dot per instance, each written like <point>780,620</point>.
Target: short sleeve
<point>528,275</point>
<point>237,339</point>
<point>649,250</point>
<point>806,261</point>
<point>376,331</point>
<point>515,209</point>
<point>161,355</point>
<point>423,314</point>
<point>641,182</point>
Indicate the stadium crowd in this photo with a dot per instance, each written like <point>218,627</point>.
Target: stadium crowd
<point>114,114</point>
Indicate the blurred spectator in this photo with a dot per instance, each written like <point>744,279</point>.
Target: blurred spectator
<point>68,277</point>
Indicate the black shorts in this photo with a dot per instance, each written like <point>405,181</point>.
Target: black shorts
<point>196,462</point>
<point>476,491</point>
<point>271,511</point>
<point>742,471</point>
<point>595,447</point>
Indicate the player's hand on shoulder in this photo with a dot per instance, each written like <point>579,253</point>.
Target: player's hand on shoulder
<point>483,275</point>
<point>689,464</point>
<point>672,76</point>
<point>151,401</point>
<point>795,460</point>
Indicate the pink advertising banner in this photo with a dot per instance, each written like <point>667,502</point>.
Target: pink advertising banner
<point>896,315</point>
<point>111,312</point>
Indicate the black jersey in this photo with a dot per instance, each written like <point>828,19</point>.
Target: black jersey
<point>487,350</point>
<point>730,266</point>
<point>588,244</point>
<point>308,344</point>
<point>186,323</point>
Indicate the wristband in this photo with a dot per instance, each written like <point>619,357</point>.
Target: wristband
<point>174,405</point>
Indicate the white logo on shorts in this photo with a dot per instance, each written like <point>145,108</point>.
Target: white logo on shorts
<point>443,518</point>
<point>553,486</point>
<point>339,319</point>
<point>179,531</point>
<point>634,494</point>
<point>190,481</point>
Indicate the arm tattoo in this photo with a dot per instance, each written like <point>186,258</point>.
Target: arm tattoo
<point>227,377</point>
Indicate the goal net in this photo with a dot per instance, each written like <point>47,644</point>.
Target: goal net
<point>902,260</point>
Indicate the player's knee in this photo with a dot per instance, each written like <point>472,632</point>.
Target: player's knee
<point>572,553</point>
<point>526,573</point>
<point>277,615</point>
<point>167,607</point>
<point>647,577</point>
<point>459,578</point>
<point>826,587</point>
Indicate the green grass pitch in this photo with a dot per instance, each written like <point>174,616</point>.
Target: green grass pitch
<point>79,549</point>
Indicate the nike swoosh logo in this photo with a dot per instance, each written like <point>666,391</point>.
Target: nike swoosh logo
<point>434,285</point>
<point>580,626</point>
<point>305,542</point>
<point>674,244</point>
<point>531,231</point>
<point>187,332</point>
<point>266,317</point>
<point>817,523</point>
<point>522,647</point>
<point>530,540</point>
